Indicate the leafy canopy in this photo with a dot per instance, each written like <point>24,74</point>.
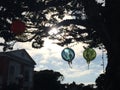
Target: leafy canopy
<point>76,21</point>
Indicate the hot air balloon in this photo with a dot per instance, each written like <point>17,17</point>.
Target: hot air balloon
<point>18,27</point>
<point>68,55</point>
<point>89,54</point>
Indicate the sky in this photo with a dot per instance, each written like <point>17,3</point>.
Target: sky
<point>49,57</point>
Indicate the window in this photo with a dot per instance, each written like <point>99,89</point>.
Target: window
<point>11,73</point>
<point>12,70</point>
<point>27,76</point>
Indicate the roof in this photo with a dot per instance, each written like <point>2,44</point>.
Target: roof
<point>22,54</point>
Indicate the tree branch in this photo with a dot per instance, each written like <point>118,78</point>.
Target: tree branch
<point>74,21</point>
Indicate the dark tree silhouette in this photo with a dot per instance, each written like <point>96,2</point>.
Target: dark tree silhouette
<point>100,25</point>
<point>100,82</point>
<point>47,80</point>
<point>42,15</point>
<point>88,87</point>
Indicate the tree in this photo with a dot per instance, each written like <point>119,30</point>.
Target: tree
<point>89,22</point>
<point>47,80</point>
<point>88,87</point>
<point>43,15</point>
<point>100,82</point>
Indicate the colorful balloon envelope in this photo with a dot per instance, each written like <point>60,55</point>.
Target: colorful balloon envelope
<point>68,54</point>
<point>18,27</point>
<point>89,54</point>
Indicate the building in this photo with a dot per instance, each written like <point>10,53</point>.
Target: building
<point>16,67</point>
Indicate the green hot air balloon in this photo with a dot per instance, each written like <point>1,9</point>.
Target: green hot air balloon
<point>89,54</point>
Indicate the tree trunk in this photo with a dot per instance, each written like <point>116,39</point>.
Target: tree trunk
<point>112,78</point>
<point>113,69</point>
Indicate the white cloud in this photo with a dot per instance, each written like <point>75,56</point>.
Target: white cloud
<point>74,73</point>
